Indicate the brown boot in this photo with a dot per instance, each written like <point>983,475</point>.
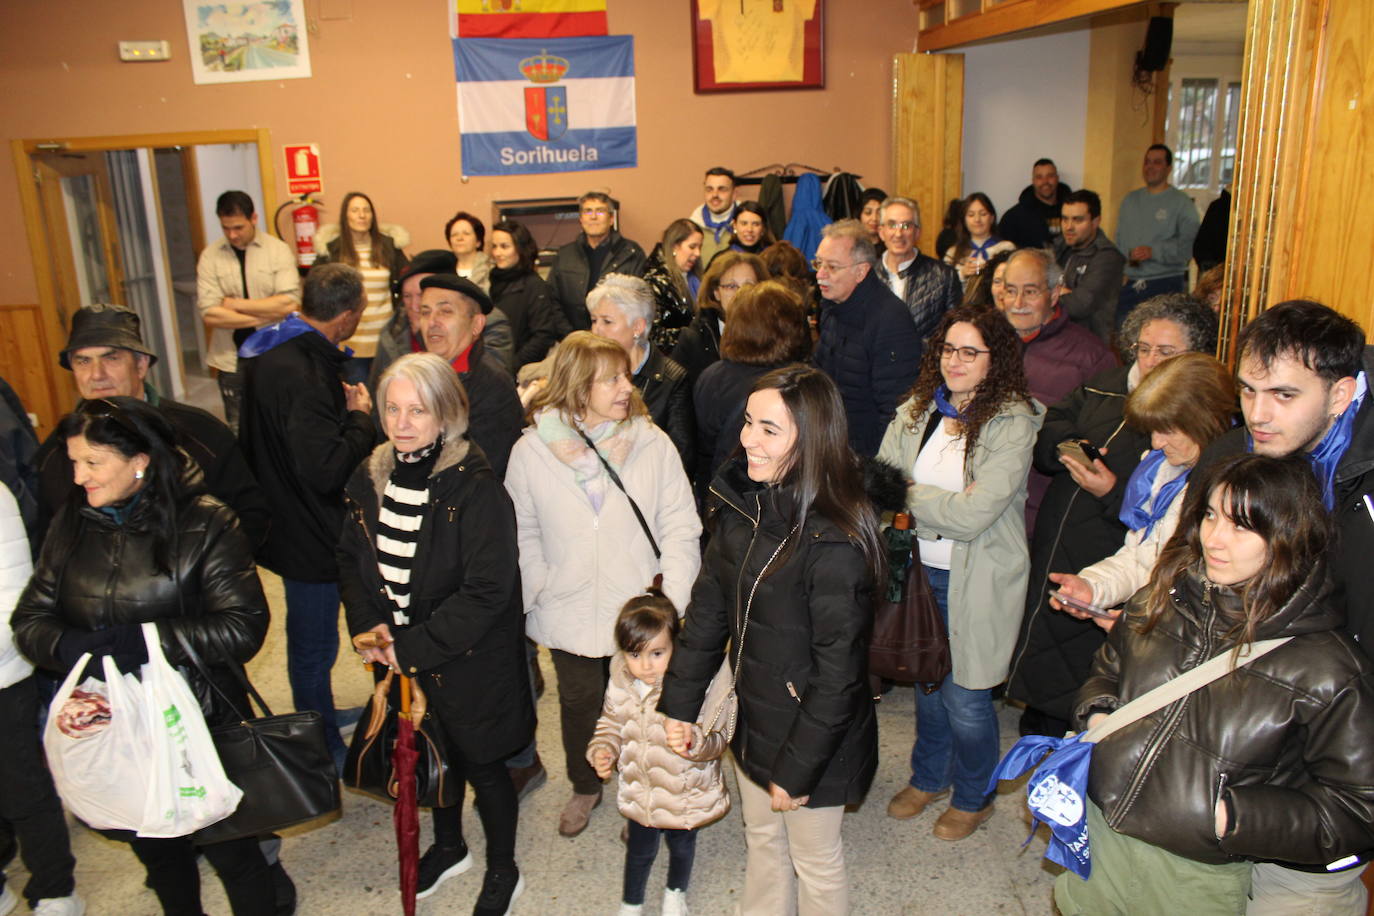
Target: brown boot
<point>577,812</point>
<point>956,825</point>
<point>911,801</point>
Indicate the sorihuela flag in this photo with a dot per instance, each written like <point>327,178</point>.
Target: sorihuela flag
<point>555,105</point>
<point>527,18</point>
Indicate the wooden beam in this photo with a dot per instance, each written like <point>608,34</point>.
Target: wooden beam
<point>139,141</point>
<point>1016,16</point>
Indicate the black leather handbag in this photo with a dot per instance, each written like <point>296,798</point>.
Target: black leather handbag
<point>368,767</point>
<point>281,763</point>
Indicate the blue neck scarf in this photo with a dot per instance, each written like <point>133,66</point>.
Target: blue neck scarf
<point>1133,513</point>
<point>943,405</point>
<point>1328,453</point>
<point>717,226</point>
<point>981,251</point>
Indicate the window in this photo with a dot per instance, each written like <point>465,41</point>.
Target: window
<point>1204,115</point>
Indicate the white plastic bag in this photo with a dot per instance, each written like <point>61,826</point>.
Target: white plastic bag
<point>188,788</point>
<point>103,777</point>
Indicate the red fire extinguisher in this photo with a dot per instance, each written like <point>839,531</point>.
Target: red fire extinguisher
<point>305,220</point>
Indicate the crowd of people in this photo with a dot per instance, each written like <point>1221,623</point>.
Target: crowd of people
<point>667,471</point>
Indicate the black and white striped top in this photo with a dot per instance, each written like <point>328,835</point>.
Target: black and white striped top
<point>404,502</point>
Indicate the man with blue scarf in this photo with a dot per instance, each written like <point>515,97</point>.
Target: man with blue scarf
<point>1303,372</point>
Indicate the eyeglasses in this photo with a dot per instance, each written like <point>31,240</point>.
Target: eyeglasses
<point>105,409</point>
<point>1030,292</point>
<point>731,287</point>
<point>965,354</point>
<point>900,227</point>
<point>1143,350</point>
<point>829,266</point>
<point>596,211</point>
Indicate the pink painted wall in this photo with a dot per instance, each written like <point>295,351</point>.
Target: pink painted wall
<point>382,106</point>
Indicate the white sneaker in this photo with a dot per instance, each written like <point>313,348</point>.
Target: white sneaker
<point>674,903</point>
<point>60,906</point>
<point>630,909</point>
<point>7,900</point>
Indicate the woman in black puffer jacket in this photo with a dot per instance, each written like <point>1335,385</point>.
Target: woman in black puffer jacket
<point>536,323</point>
<point>148,545</point>
<point>1268,763</point>
<point>794,550</point>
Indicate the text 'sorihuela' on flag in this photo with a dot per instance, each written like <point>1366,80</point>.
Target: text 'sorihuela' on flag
<point>546,105</point>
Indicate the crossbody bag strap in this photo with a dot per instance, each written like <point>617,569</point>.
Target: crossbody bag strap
<point>615,478</point>
<point>233,667</point>
<point>1177,688</point>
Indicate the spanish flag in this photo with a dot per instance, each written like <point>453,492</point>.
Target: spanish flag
<point>528,18</point>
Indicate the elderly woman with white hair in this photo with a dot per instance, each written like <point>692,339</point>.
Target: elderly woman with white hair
<point>603,506</point>
<point>429,562</point>
<point>622,310</point>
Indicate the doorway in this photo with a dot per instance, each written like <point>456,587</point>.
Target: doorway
<point>123,220</point>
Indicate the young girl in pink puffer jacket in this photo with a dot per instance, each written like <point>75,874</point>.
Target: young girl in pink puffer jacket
<point>660,792</point>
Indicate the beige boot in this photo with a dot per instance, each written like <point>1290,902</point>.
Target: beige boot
<point>577,812</point>
<point>956,825</point>
<point>911,801</point>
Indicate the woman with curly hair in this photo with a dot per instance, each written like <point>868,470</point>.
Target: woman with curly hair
<point>964,434</point>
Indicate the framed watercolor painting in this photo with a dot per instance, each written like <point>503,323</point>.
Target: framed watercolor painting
<point>758,44</point>
<point>240,42</point>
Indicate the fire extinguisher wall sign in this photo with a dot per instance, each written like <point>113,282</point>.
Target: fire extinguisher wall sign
<point>303,169</point>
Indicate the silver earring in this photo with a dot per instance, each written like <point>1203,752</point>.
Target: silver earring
<point>138,475</point>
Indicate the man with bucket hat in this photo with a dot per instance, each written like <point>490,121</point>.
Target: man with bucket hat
<point>107,357</point>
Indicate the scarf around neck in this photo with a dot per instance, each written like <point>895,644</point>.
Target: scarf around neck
<point>717,226</point>
<point>1134,515</point>
<point>943,405</point>
<point>613,441</point>
<point>1327,455</point>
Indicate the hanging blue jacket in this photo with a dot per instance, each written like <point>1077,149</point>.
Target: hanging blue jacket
<point>808,216</point>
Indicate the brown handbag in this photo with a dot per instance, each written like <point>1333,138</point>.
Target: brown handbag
<point>909,642</point>
<point>369,768</point>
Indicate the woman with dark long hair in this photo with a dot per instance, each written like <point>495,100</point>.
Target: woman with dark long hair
<point>536,322</point>
<point>786,582</point>
<point>377,256</point>
<point>670,273</point>
<point>750,229</point>
<point>976,238</point>
<point>142,542</point>
<point>1267,763</point>
<point>964,435</point>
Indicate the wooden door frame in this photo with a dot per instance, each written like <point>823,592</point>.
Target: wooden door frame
<point>23,152</point>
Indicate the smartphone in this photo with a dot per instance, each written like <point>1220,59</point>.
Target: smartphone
<point>1083,606</point>
<point>1080,450</point>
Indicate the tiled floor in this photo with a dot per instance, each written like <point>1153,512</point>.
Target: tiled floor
<point>348,867</point>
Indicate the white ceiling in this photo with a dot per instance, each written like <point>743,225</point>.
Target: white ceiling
<point>1200,24</point>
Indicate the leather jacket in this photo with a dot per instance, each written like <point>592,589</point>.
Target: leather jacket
<point>1287,742</point>
<point>932,288</point>
<point>95,572</point>
<point>667,393</point>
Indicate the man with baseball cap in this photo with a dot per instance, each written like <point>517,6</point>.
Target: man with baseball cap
<point>453,315</point>
<point>107,358</point>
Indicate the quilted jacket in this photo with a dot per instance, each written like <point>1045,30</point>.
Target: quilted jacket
<point>657,787</point>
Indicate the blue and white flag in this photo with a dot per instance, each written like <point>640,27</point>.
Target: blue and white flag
<point>546,105</point>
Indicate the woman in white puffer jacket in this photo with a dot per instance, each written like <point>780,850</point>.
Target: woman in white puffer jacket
<point>583,551</point>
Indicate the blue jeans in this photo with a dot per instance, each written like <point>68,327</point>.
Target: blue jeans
<point>312,645</point>
<point>957,735</point>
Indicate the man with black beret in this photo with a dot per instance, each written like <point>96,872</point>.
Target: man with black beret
<point>453,315</point>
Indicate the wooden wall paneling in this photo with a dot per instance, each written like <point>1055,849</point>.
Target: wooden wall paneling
<point>1005,18</point>
<point>1273,158</point>
<point>1334,263</point>
<point>29,363</point>
<point>1121,120</point>
<point>928,133</point>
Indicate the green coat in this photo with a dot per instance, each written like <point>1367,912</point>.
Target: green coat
<point>991,561</point>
